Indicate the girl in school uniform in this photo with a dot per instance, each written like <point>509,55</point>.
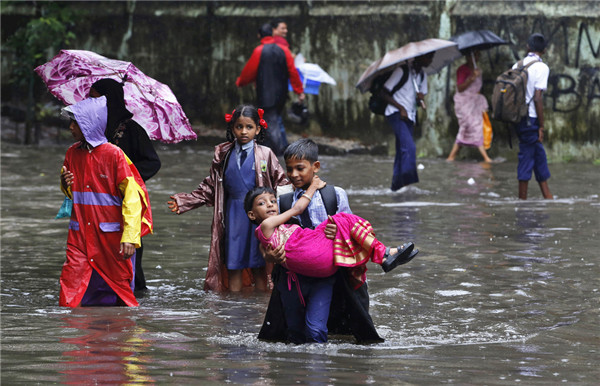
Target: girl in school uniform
<point>239,165</point>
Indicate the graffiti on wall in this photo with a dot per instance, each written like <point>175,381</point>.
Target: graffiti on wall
<point>574,81</point>
<point>577,84</point>
<point>568,93</point>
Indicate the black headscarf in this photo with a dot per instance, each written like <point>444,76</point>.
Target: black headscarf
<point>117,112</point>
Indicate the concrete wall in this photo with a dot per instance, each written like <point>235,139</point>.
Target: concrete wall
<point>199,48</point>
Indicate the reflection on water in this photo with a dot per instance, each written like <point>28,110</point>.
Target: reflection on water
<point>502,291</point>
<point>107,348</point>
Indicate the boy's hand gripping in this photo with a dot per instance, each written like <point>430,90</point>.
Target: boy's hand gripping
<point>330,228</point>
<point>276,256</point>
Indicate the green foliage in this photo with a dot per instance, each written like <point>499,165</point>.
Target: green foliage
<point>566,158</point>
<point>31,45</point>
<point>46,111</point>
<point>42,35</point>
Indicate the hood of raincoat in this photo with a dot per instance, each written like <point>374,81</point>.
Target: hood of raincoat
<point>91,115</point>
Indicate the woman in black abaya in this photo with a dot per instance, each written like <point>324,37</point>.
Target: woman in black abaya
<point>127,134</point>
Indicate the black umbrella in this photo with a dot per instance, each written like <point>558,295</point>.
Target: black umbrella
<point>477,40</point>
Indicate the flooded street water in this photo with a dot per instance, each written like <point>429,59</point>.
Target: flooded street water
<point>503,291</point>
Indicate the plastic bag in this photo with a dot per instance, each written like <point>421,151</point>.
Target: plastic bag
<point>65,208</point>
<point>487,131</point>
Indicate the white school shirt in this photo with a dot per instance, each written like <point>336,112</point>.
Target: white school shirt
<point>406,95</point>
<point>537,79</point>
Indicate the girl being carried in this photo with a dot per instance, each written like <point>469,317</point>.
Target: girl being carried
<point>307,251</point>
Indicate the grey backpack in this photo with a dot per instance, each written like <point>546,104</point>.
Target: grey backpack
<point>509,97</point>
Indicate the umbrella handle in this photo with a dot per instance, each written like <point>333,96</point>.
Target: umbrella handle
<point>414,79</point>
<point>421,101</point>
<point>473,58</point>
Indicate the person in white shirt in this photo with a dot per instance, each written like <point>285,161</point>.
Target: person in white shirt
<point>532,156</point>
<point>401,113</point>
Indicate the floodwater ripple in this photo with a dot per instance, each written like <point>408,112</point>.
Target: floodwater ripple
<point>503,290</point>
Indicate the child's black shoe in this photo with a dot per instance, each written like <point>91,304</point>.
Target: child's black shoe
<point>404,255</point>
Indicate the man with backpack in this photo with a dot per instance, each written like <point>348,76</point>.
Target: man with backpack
<point>530,129</point>
<point>402,90</point>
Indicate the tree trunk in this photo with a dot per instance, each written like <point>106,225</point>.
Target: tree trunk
<point>29,114</point>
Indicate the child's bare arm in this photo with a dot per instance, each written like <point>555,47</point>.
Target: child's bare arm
<point>538,102</point>
<point>268,225</point>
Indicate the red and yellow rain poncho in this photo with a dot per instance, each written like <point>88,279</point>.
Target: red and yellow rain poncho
<point>110,206</point>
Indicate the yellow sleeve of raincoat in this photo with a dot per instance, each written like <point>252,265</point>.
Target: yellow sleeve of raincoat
<point>132,211</point>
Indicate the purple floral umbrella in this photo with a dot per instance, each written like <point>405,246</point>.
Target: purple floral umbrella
<point>71,73</point>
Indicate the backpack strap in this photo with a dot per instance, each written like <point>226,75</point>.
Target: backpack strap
<point>329,199</point>
<point>285,201</point>
<point>402,82</point>
<point>520,64</point>
<point>397,87</point>
<point>522,67</point>
<point>327,194</point>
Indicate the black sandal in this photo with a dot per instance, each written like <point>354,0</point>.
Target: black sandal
<point>404,255</point>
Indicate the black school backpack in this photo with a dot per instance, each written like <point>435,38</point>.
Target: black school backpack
<point>327,194</point>
<point>509,97</point>
<point>377,104</point>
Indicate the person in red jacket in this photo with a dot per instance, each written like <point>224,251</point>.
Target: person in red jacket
<point>111,212</point>
<point>270,66</point>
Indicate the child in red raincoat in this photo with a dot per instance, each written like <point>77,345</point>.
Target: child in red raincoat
<point>111,212</point>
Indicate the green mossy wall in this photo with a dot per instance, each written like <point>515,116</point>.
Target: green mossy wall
<point>199,48</point>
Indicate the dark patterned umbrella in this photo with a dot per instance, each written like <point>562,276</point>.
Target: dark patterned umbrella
<point>445,53</point>
<point>477,40</point>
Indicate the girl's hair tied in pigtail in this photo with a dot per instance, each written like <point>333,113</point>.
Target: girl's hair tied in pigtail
<point>261,122</point>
